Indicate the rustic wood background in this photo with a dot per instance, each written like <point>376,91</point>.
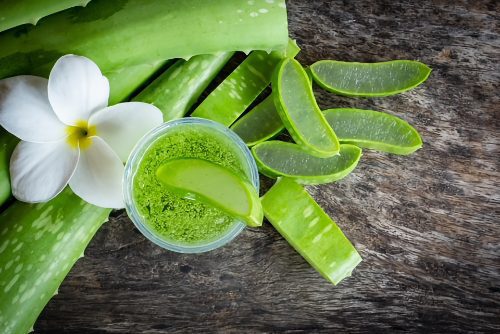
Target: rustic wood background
<point>426,225</point>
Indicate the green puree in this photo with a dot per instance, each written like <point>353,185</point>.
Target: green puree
<point>179,220</point>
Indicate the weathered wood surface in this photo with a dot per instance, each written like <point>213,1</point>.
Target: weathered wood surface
<point>426,225</point>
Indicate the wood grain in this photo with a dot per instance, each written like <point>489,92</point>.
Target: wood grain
<point>426,225</point>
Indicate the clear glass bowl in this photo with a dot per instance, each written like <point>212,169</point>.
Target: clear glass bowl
<point>131,168</point>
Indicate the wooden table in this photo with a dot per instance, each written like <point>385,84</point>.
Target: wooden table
<point>426,225</point>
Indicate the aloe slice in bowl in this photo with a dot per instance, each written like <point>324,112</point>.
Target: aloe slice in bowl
<point>308,229</point>
<point>374,129</point>
<point>277,158</point>
<point>213,185</point>
<point>259,124</point>
<point>297,107</point>
<point>369,79</point>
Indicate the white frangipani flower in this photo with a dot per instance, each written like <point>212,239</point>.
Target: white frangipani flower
<point>69,135</point>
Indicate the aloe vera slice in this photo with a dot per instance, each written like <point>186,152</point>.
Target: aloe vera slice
<point>39,243</point>
<point>297,107</point>
<point>185,80</point>
<point>369,79</point>
<point>259,124</point>
<point>373,129</point>
<point>276,158</point>
<point>302,222</point>
<point>213,185</point>
<point>237,92</point>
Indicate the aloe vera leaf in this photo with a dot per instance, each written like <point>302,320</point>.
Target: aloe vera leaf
<point>369,79</point>
<point>7,145</point>
<point>213,185</point>
<point>185,80</point>
<point>302,222</point>
<point>259,124</point>
<point>297,107</point>
<point>237,92</point>
<point>124,82</point>
<point>210,26</point>
<point>39,243</point>
<point>276,158</point>
<point>14,13</point>
<point>373,129</point>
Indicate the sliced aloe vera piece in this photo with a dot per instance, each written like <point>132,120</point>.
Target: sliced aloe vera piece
<point>237,92</point>
<point>277,158</point>
<point>259,124</point>
<point>297,107</point>
<point>213,185</point>
<point>302,222</point>
<point>369,79</point>
<point>373,129</point>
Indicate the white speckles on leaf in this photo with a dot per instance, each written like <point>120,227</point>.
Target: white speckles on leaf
<point>263,11</point>
<point>11,283</point>
<point>308,211</point>
<point>254,14</point>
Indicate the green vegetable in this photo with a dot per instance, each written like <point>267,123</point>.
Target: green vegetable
<point>277,158</point>
<point>16,12</point>
<point>213,185</point>
<point>210,26</point>
<point>186,81</point>
<point>259,124</point>
<point>297,107</point>
<point>369,79</point>
<point>126,81</point>
<point>373,129</point>
<point>7,145</point>
<point>235,94</point>
<point>39,243</point>
<point>302,222</point>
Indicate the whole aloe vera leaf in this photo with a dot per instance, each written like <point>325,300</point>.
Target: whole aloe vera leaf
<point>103,31</point>
<point>297,107</point>
<point>237,92</point>
<point>369,79</point>
<point>276,158</point>
<point>259,124</point>
<point>178,88</point>
<point>302,222</point>
<point>39,243</point>
<point>124,82</point>
<point>373,129</point>
<point>14,13</point>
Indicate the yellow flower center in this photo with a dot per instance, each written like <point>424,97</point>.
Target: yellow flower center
<point>80,135</point>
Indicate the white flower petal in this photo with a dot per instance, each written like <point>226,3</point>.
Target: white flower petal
<point>77,88</point>
<point>41,171</point>
<point>98,176</point>
<point>122,125</point>
<point>25,110</point>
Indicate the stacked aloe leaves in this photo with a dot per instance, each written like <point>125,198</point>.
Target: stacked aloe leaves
<point>136,41</point>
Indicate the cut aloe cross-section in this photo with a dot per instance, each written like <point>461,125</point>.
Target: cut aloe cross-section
<point>277,158</point>
<point>369,79</point>
<point>213,185</point>
<point>297,107</point>
<point>259,124</point>
<point>302,222</point>
<point>374,129</point>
